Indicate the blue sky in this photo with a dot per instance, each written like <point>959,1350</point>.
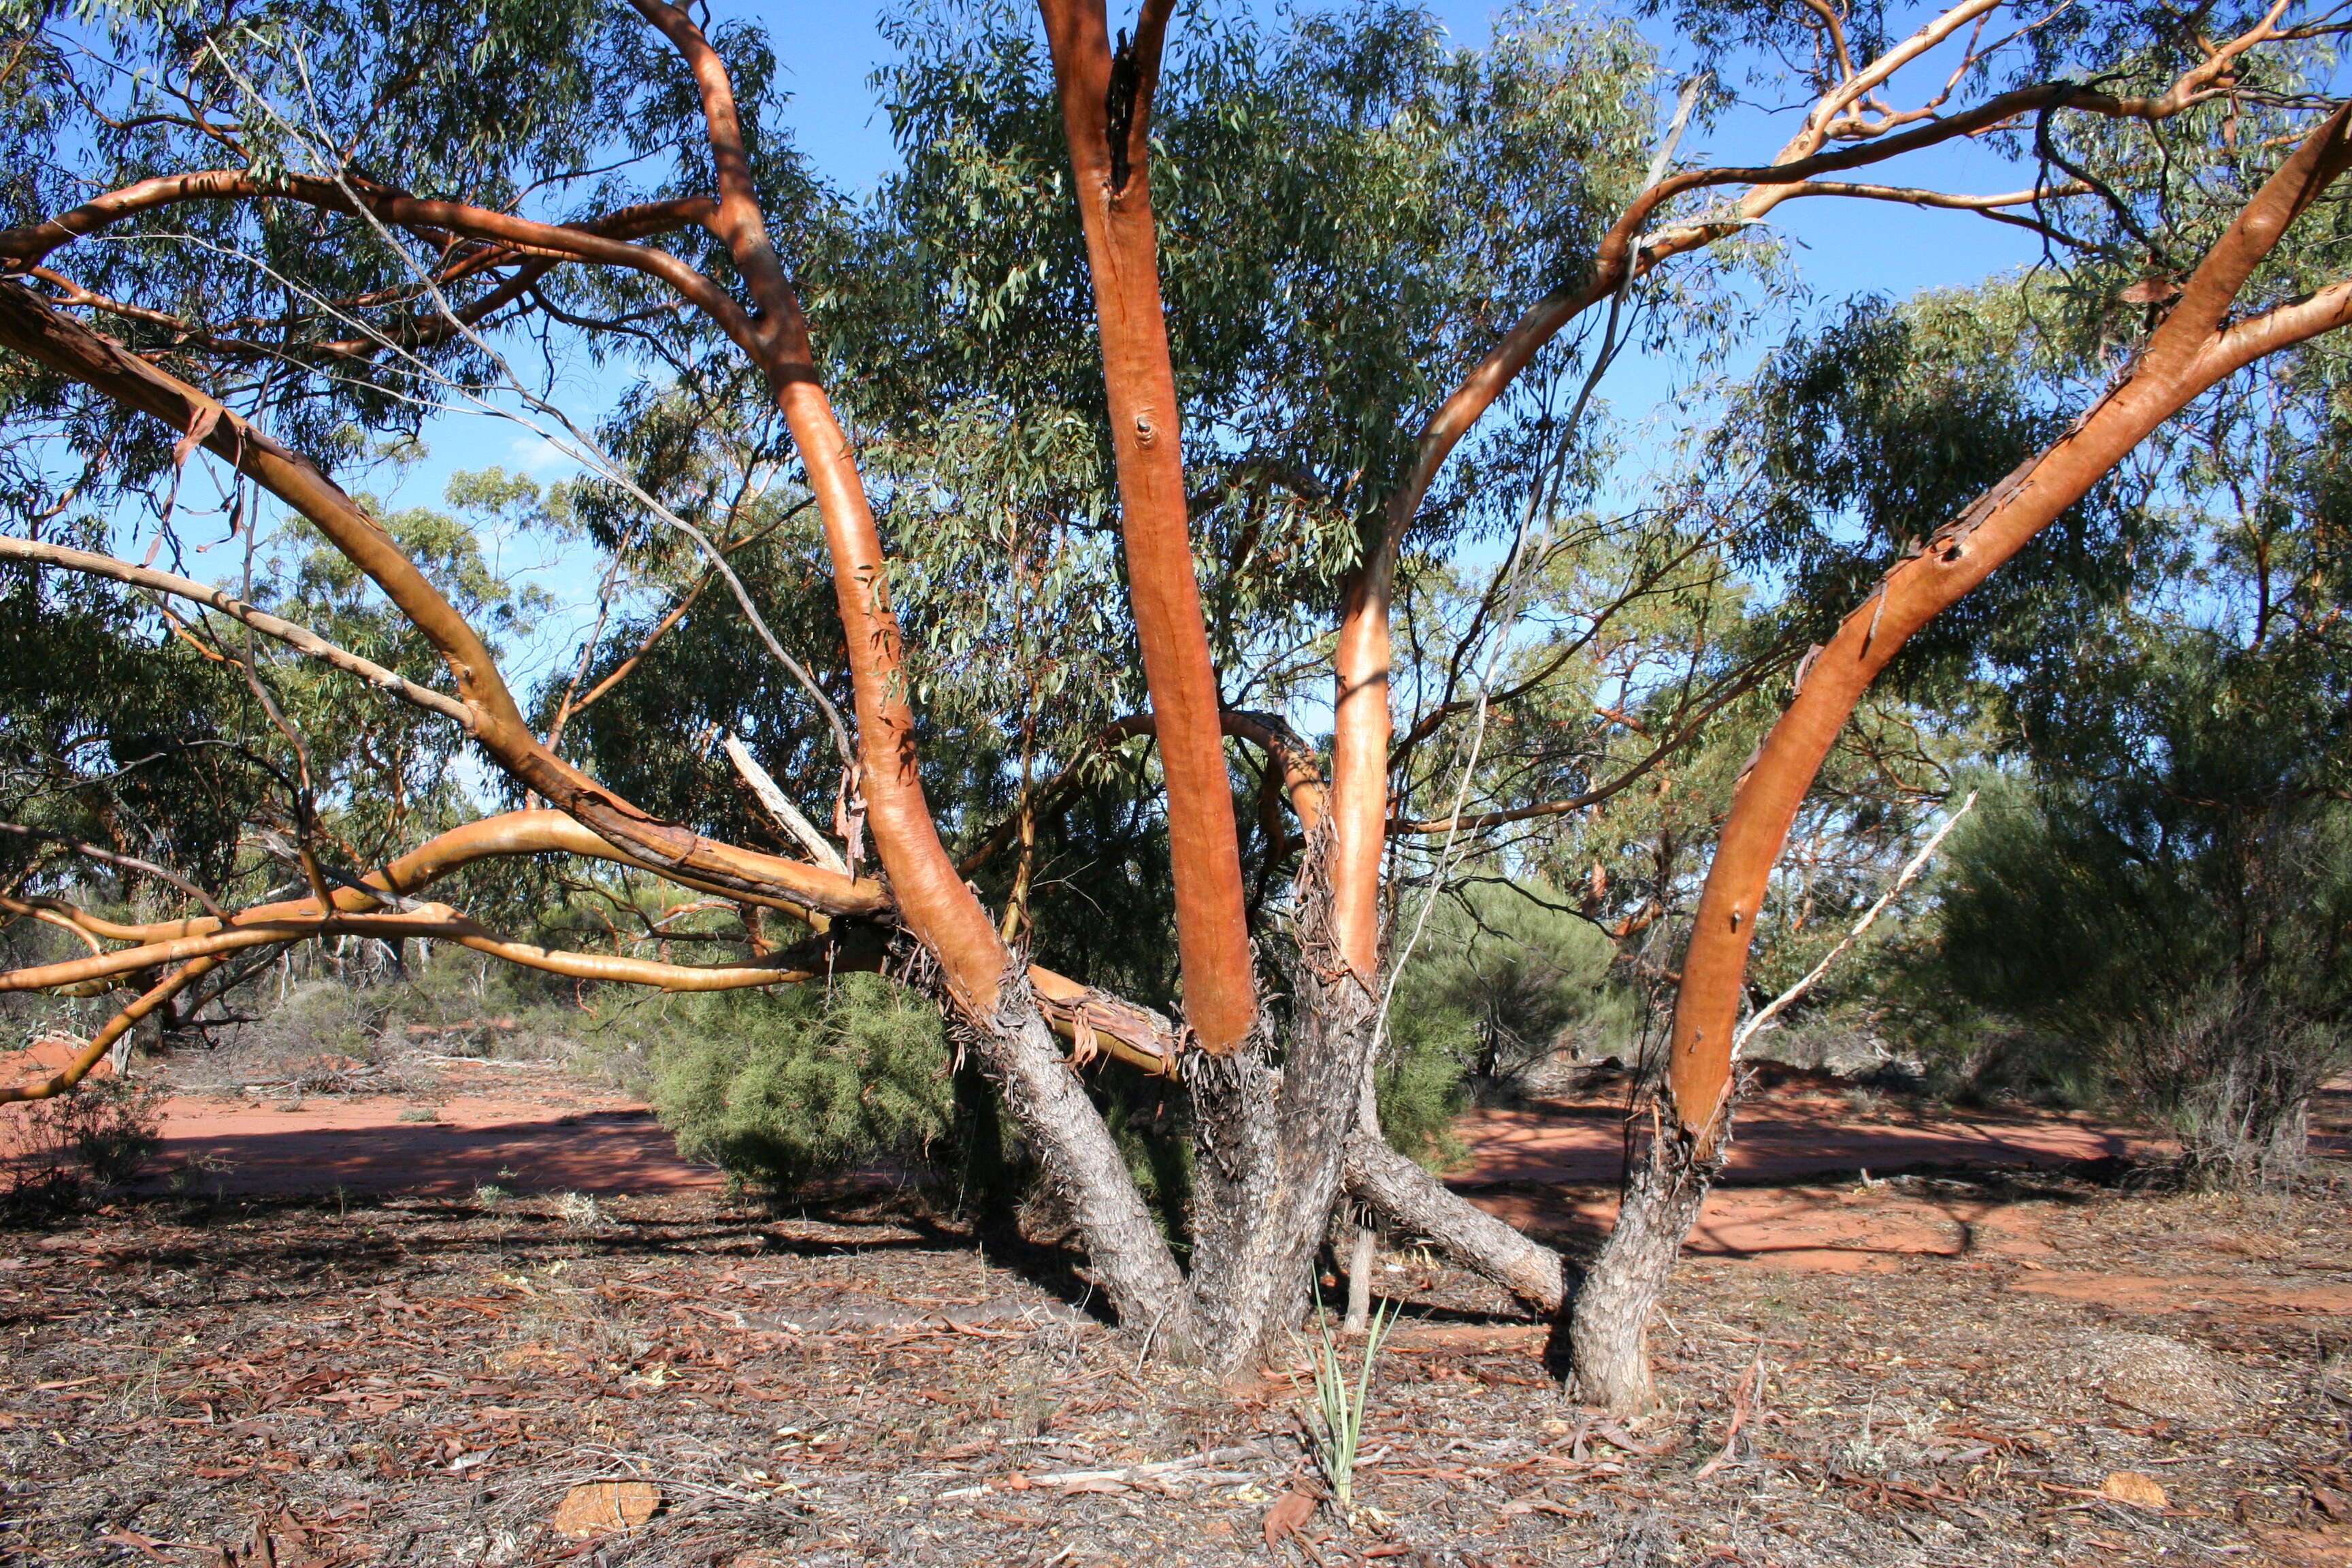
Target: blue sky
<point>826,53</point>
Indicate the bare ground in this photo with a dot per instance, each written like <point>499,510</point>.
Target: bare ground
<point>200,1377</point>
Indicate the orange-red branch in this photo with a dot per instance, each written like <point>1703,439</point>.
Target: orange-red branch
<point>1106,112</point>
<point>931,898</point>
<point>2187,354</point>
<point>30,327</point>
<point>1362,726</point>
<point>90,1055</point>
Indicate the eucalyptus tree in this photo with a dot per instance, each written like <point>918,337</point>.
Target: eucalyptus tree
<point>293,223</point>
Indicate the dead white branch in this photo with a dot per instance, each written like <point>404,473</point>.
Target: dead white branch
<point>1910,872</point>
<point>780,806</point>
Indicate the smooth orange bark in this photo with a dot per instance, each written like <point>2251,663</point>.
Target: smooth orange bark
<point>2188,352</point>
<point>1110,162</point>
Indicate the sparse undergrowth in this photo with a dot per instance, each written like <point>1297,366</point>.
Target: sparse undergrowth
<point>423,1382</point>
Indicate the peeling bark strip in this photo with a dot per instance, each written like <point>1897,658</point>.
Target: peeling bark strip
<point>2188,352</point>
<point>1107,114</point>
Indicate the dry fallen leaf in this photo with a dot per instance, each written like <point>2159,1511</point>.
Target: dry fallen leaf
<point>1290,1511</point>
<point>2131,1486</point>
<point>603,1508</point>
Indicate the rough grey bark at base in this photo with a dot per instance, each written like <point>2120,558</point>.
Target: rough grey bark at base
<point>1125,1252</point>
<point>1270,1141</point>
<point>1413,1200</point>
<point>1608,1325</point>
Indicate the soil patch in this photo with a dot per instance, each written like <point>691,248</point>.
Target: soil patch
<point>663,1380</point>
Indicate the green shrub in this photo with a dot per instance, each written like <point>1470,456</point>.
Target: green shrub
<point>103,1133</point>
<point>2181,949</point>
<point>778,1090</point>
<point>1498,981</point>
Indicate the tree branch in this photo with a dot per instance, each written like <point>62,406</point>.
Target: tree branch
<point>298,637</point>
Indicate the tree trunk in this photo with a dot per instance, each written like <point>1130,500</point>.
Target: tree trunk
<point>1414,1201</point>
<point>1270,1141</point>
<point>1106,98</point>
<point>1125,1252</point>
<point>1608,1325</point>
<point>2192,349</point>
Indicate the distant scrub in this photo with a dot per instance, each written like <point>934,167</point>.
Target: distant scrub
<point>2186,952</point>
<point>1497,981</point>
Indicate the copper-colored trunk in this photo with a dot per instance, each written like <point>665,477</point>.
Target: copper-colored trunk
<point>2187,354</point>
<point>1114,192</point>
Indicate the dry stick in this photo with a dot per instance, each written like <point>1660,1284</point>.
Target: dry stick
<point>780,805</point>
<point>1751,1387</point>
<point>1917,863</point>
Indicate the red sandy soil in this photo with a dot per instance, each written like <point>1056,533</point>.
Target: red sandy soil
<point>547,1132</point>
<point>529,1127</point>
<point>1550,1166</point>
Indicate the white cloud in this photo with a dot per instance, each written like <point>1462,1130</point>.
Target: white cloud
<point>537,455</point>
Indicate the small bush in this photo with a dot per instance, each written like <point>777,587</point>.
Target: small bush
<point>777,1091</point>
<point>2234,1075</point>
<point>104,1133</point>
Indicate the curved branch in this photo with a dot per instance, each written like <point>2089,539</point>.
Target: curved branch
<point>596,240</point>
<point>1362,725</point>
<point>90,1055</point>
<point>31,328</point>
<point>943,914</point>
<point>41,909</point>
<point>438,921</point>
<point>2190,351</point>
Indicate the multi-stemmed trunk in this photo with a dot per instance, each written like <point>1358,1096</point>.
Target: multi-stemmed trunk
<point>1283,1124</point>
